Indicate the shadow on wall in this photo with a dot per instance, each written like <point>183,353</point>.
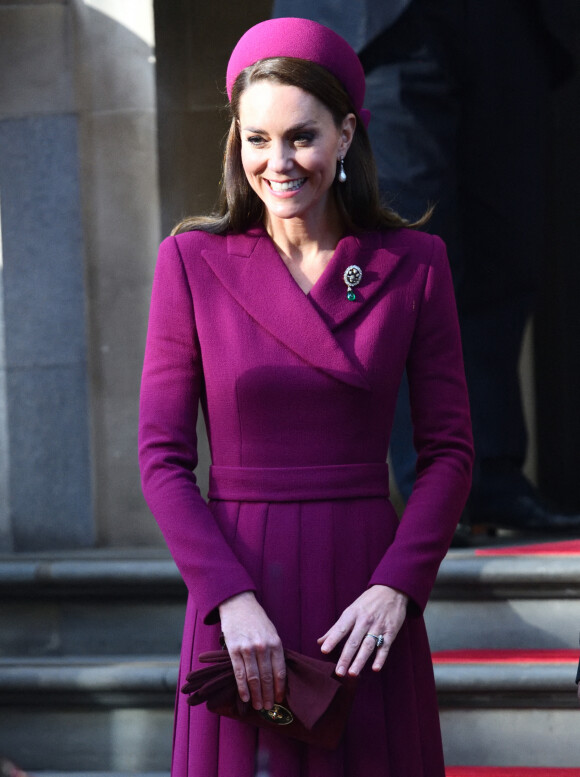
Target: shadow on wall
<point>194,42</point>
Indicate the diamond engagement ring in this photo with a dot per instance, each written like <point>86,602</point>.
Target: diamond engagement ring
<point>378,638</point>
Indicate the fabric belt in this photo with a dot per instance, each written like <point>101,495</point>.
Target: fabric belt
<point>297,484</point>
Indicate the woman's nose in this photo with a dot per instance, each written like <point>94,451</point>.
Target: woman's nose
<point>281,158</point>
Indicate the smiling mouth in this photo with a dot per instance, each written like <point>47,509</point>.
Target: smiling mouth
<point>286,186</point>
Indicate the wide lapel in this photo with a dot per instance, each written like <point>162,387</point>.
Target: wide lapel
<point>256,277</point>
<point>377,254</point>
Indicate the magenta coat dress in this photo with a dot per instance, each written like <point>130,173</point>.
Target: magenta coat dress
<point>298,392</point>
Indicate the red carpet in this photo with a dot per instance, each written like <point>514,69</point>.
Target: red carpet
<point>509,771</point>
<point>506,657</point>
<point>562,548</point>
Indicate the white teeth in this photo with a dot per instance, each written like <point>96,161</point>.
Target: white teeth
<point>286,186</point>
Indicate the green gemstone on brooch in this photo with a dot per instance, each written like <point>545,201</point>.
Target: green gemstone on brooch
<point>351,296</point>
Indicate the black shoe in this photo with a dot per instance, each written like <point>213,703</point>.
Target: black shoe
<point>462,536</point>
<point>509,501</point>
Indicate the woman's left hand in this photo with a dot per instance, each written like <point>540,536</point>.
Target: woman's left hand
<point>380,610</point>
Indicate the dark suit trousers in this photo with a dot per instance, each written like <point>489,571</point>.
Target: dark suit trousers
<point>458,92</point>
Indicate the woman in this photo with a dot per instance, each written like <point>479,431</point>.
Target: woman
<point>290,316</point>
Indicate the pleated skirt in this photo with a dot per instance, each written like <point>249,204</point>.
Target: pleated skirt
<point>310,560</point>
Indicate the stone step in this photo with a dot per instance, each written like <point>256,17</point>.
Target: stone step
<point>513,710</point>
<point>75,627</point>
<point>86,574</point>
<point>116,714</point>
<point>89,646</point>
<point>134,574</point>
<point>98,738</point>
<point>88,714</point>
<point>542,737</point>
<point>503,623</point>
<point>132,602</point>
<point>518,679</point>
<point>505,602</point>
<point>105,681</point>
<point>108,602</point>
<point>466,575</point>
<point>506,679</point>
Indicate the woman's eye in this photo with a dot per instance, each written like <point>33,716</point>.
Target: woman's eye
<point>255,140</point>
<point>303,139</point>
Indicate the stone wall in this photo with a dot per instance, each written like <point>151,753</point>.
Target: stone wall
<point>45,473</point>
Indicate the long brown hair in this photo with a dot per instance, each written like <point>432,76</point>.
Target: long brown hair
<point>357,199</point>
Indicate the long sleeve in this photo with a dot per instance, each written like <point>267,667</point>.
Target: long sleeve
<point>171,387</point>
<point>442,438</point>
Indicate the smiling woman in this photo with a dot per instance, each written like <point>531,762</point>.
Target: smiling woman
<point>357,198</point>
<point>290,149</point>
<point>253,316</point>
<point>291,145</point>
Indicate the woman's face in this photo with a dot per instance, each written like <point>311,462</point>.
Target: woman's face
<point>290,147</point>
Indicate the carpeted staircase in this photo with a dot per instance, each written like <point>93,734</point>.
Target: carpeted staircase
<point>503,624</point>
<point>89,645</point>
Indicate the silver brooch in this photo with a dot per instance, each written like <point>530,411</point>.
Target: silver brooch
<point>352,277</point>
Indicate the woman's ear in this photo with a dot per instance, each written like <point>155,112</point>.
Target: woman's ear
<point>347,132</point>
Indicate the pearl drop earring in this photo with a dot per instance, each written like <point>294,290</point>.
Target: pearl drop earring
<point>341,173</point>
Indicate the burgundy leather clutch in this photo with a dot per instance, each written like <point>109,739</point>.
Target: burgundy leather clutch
<point>315,708</point>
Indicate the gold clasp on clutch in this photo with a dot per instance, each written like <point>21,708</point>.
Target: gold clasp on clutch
<point>278,715</point>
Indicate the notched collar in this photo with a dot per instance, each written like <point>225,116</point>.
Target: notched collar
<point>377,262</point>
<point>256,277</point>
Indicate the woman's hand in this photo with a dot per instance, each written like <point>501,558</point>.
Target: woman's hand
<point>255,649</point>
<point>379,610</point>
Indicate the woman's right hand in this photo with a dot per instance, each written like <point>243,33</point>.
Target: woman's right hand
<point>255,650</point>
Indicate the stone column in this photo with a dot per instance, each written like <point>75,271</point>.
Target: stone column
<point>45,479</point>
<point>115,90</point>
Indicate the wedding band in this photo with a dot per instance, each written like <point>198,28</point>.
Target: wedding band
<point>379,639</point>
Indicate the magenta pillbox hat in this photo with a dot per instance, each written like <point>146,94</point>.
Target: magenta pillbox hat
<point>302,39</point>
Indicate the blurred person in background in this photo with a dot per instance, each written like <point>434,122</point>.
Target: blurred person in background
<point>459,93</point>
